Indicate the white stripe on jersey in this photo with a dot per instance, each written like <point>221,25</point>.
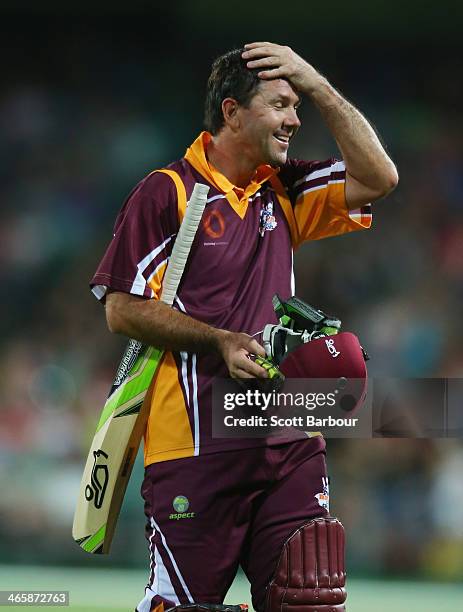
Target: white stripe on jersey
<point>318,187</point>
<point>184,355</point>
<point>139,283</point>
<point>224,197</point>
<point>293,278</point>
<point>194,377</point>
<point>195,402</point>
<point>216,197</point>
<point>338,166</point>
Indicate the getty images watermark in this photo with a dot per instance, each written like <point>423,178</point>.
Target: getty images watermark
<point>248,409</point>
<point>339,408</point>
<point>255,400</point>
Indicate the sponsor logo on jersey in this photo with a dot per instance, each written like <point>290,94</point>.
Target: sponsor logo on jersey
<point>181,505</point>
<point>267,219</point>
<point>323,498</point>
<point>330,346</point>
<point>213,223</point>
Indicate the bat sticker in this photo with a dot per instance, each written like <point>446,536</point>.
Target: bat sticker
<point>99,480</point>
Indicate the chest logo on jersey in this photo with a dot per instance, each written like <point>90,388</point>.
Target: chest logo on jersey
<point>213,223</point>
<point>267,219</point>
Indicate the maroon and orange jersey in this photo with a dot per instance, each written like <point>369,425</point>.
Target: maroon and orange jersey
<point>241,256</point>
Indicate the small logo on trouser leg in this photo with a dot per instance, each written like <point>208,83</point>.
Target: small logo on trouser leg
<point>323,498</point>
<point>181,505</point>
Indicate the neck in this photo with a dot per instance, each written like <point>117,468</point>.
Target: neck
<point>226,155</point>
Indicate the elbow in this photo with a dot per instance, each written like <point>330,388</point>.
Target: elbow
<point>390,180</point>
<point>112,327</point>
<point>122,312</point>
<point>113,323</point>
<point>113,318</point>
<point>393,178</point>
<point>384,183</point>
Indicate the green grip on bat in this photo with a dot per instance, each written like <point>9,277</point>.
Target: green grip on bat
<point>272,370</point>
<point>329,331</point>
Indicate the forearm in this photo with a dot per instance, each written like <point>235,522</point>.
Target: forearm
<point>153,322</point>
<point>362,152</point>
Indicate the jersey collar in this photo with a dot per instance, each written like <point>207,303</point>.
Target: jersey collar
<point>237,197</point>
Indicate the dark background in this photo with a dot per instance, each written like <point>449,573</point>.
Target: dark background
<point>94,97</point>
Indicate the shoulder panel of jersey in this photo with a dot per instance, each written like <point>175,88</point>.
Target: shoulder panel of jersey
<point>156,281</point>
<point>143,236</point>
<point>181,193</point>
<point>188,176</point>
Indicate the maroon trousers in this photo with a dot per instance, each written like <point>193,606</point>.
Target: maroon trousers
<point>209,514</point>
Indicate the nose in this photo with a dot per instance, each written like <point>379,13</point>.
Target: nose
<point>291,119</point>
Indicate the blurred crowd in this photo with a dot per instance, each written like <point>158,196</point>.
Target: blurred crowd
<point>69,157</point>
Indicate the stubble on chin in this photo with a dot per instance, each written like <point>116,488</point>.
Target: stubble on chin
<point>273,157</point>
<point>278,160</point>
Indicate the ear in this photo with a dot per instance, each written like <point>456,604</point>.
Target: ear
<point>230,108</point>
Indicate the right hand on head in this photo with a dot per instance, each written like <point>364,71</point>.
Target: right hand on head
<point>236,350</point>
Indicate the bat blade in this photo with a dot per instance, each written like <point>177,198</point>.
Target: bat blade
<point>124,416</point>
<point>111,458</point>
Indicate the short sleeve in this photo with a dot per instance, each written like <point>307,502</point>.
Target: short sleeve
<point>317,194</point>
<point>144,233</point>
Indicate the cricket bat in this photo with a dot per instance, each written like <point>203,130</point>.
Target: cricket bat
<point>125,413</point>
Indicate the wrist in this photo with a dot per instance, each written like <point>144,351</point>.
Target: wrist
<point>218,340</point>
<point>324,95</point>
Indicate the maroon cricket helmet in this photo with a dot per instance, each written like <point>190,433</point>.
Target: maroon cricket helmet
<point>339,358</point>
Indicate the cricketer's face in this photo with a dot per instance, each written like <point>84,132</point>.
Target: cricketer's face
<point>269,123</point>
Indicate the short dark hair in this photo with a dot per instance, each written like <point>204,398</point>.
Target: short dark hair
<point>229,78</point>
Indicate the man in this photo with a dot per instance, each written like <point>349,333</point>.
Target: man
<point>213,504</point>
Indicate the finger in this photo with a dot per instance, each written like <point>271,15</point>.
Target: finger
<point>253,45</point>
<point>252,368</point>
<point>239,373</point>
<point>259,52</point>
<point>276,73</point>
<point>255,348</point>
<point>264,62</point>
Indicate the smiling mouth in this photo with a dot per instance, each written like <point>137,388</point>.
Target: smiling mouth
<point>283,139</point>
